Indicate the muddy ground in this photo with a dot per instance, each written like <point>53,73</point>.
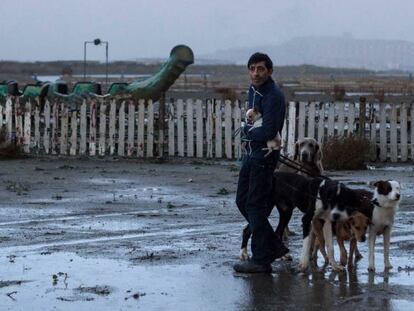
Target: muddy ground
<point>82,234</point>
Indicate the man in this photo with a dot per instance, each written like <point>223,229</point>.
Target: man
<point>255,178</point>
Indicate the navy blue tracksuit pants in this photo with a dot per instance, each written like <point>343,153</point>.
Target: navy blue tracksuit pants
<point>252,199</point>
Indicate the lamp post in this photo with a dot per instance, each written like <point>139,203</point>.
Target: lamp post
<point>97,41</point>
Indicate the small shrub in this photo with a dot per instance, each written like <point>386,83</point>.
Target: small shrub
<point>339,92</point>
<point>345,153</point>
<point>8,150</point>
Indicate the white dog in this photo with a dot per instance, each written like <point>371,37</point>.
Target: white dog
<point>386,199</point>
<point>253,116</point>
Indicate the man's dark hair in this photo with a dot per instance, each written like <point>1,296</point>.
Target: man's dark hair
<point>260,57</point>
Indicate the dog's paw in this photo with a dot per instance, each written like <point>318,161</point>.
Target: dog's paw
<point>358,257</point>
<point>287,257</point>
<point>371,268</point>
<point>244,255</point>
<point>388,266</point>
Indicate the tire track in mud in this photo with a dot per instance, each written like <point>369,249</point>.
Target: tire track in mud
<point>91,216</point>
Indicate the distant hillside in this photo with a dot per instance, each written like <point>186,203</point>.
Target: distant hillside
<point>344,52</point>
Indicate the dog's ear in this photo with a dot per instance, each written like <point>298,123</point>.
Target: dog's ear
<point>296,154</point>
<point>377,183</point>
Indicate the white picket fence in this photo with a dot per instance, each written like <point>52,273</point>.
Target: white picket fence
<point>194,128</point>
<point>388,126</point>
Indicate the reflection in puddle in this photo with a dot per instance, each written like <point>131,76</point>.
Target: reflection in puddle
<point>68,281</point>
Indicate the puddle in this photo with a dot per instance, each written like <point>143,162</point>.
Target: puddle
<point>108,181</point>
<point>67,281</point>
<point>401,168</point>
<point>64,280</point>
<point>401,304</point>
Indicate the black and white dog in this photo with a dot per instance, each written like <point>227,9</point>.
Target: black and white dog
<point>315,197</point>
<point>386,200</point>
<point>332,204</point>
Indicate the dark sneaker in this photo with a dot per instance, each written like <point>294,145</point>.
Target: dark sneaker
<point>251,267</point>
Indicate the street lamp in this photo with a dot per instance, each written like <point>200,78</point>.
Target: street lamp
<point>97,41</point>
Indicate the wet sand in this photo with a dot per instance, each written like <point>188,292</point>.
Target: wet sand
<point>128,234</point>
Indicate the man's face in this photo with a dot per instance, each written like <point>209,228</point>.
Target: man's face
<point>259,73</point>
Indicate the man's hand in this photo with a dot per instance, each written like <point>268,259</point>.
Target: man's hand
<point>244,133</point>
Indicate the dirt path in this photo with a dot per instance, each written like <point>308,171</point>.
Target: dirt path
<point>115,235</point>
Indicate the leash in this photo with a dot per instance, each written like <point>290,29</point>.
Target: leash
<point>298,167</point>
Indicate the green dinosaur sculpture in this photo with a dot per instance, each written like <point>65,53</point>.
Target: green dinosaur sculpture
<point>181,56</point>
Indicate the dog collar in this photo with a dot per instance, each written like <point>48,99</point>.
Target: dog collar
<point>375,202</point>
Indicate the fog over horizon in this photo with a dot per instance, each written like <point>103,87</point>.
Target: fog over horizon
<point>56,30</point>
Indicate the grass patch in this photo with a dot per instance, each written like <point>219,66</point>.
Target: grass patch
<point>234,168</point>
<point>170,205</point>
<point>223,191</point>
<point>18,187</point>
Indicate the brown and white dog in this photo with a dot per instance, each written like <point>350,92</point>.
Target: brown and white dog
<point>353,230</point>
<point>360,207</point>
<point>308,155</point>
<point>253,116</point>
<point>386,200</point>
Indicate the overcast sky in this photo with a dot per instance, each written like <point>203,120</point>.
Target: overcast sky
<point>56,29</point>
